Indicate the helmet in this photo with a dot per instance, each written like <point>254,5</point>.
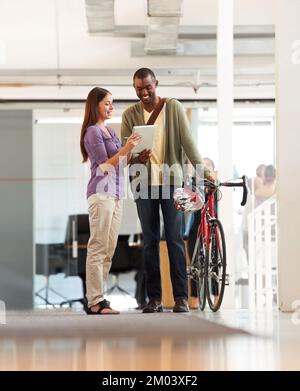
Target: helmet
<point>187,200</point>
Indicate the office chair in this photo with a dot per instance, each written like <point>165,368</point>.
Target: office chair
<point>50,259</point>
<point>77,236</point>
<point>123,261</point>
<point>129,257</point>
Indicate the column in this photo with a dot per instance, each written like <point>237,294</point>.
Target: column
<point>288,156</point>
<point>225,58</point>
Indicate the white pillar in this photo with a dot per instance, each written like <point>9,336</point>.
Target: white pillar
<point>288,156</point>
<point>194,119</point>
<point>225,57</point>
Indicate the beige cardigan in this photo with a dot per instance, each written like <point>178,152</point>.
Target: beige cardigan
<point>178,140</point>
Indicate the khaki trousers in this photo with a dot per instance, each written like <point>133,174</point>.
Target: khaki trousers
<point>105,215</point>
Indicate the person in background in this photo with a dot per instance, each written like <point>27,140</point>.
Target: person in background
<point>260,188</point>
<point>210,165</point>
<point>259,178</point>
<point>101,146</point>
<point>268,186</point>
<point>173,136</point>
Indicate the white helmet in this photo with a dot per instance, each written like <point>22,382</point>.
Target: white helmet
<point>187,200</point>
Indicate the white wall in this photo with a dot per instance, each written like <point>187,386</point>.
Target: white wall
<point>288,157</point>
<point>60,179</point>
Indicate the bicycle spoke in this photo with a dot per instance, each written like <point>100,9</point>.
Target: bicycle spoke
<point>197,272</point>
<point>216,274</point>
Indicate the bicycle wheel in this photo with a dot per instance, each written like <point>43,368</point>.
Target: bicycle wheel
<point>216,265</point>
<point>198,273</point>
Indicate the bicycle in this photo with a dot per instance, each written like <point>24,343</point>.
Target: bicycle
<point>208,264</point>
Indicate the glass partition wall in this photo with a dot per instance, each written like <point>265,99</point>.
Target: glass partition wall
<point>59,193</point>
<point>60,206</point>
<point>60,210</point>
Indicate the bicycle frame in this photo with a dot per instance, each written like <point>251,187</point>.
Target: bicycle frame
<point>207,213</point>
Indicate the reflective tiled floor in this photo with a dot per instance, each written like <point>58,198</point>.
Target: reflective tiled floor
<point>273,344</point>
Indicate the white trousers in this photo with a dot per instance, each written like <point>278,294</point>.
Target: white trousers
<point>105,215</point>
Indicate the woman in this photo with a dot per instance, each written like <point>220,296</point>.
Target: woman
<point>102,147</point>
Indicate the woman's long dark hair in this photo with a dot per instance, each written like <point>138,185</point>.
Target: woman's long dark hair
<point>91,114</point>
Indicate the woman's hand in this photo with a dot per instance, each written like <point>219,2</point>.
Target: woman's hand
<point>132,141</point>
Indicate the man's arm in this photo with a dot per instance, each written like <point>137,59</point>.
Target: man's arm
<point>187,141</point>
<point>126,129</point>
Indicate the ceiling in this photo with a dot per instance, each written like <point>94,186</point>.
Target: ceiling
<point>60,49</point>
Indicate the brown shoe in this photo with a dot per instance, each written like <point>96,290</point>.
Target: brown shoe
<point>181,305</point>
<point>154,305</point>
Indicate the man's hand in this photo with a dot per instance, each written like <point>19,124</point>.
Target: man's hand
<point>144,156</point>
<point>210,189</point>
<point>210,178</point>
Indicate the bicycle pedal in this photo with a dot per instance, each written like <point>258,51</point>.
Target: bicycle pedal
<point>227,282</point>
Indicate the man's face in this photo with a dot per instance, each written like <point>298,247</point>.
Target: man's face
<point>146,89</point>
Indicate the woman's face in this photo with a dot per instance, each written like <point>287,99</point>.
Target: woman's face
<point>105,107</point>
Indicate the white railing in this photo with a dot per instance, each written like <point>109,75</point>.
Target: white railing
<point>263,255</point>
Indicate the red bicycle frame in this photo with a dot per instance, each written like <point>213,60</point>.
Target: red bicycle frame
<point>204,227</point>
<point>209,207</point>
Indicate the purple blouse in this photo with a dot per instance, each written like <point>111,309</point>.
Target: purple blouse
<point>99,148</point>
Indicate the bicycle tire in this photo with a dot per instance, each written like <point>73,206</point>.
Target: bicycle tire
<point>199,277</point>
<point>216,265</point>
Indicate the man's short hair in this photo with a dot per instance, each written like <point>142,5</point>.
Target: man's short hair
<point>142,73</point>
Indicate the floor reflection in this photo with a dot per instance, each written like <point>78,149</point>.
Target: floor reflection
<point>230,353</point>
<point>273,345</point>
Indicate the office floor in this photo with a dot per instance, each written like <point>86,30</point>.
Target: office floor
<point>70,340</point>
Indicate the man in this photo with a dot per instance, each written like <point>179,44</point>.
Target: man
<point>172,137</point>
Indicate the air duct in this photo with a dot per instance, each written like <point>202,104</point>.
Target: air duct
<point>100,16</point>
<point>167,8</point>
<point>163,26</point>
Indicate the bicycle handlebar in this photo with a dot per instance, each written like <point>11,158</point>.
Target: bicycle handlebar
<point>242,184</point>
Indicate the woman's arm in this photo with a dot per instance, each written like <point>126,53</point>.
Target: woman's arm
<point>122,154</point>
<point>126,131</point>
